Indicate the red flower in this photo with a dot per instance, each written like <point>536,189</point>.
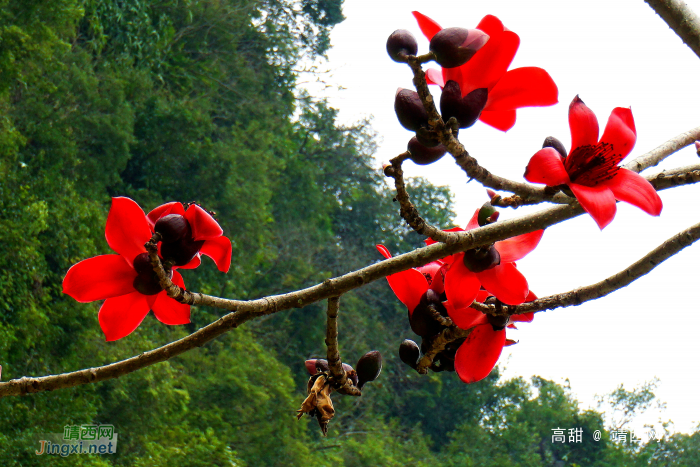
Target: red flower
<point>125,281</point>
<point>507,90</point>
<point>479,353</point>
<point>410,285</point>
<point>503,281</point>
<point>206,235</point>
<point>591,170</point>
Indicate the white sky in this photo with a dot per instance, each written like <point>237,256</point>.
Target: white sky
<point>613,53</point>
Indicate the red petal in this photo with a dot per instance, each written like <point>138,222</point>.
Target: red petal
<point>482,296</point>
<point>430,241</point>
<point>433,76</point>
<point>174,207</point>
<point>531,297</point>
<point>465,318</point>
<point>583,124</point>
<point>620,132</point>
<point>501,120</point>
<point>119,316</point>
<point>547,166</point>
<point>506,283</point>
<point>168,310</point>
<point>99,278</point>
<point>478,355</point>
<point>523,87</point>
<point>516,248</point>
<point>408,286</point>
<point>634,189</point>
<point>474,221</point>
<point>385,251</point>
<point>204,227</point>
<point>461,285</point>
<point>491,25</point>
<point>218,249</point>
<point>598,201</point>
<point>490,63</point>
<point>427,26</point>
<point>127,228</point>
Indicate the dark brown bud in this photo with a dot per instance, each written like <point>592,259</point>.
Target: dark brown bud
<point>465,109</point>
<point>422,320</point>
<point>147,281</point>
<point>400,45</point>
<point>409,353</point>
<point>481,259</point>
<point>423,155</point>
<point>498,323</point>
<point>350,373</point>
<point>409,109</point>
<point>368,367</point>
<point>552,142</point>
<point>181,251</point>
<point>173,227</point>
<point>455,46</point>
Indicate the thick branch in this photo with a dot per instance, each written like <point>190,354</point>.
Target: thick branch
<point>655,156</point>
<point>339,379</point>
<point>681,19</point>
<point>243,311</point>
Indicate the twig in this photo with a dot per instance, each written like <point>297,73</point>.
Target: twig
<point>681,19</point>
<point>655,156</point>
<point>339,378</point>
<point>408,210</point>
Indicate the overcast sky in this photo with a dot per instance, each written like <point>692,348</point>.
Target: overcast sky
<point>613,53</point>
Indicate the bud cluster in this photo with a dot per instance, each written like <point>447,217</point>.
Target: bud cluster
<point>178,244</point>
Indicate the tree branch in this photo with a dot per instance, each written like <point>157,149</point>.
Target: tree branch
<point>681,19</point>
<point>437,345</point>
<point>339,378</point>
<point>655,156</point>
<point>243,311</point>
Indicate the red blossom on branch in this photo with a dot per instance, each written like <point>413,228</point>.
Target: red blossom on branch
<point>127,282</point>
<point>479,353</point>
<point>508,90</point>
<point>591,169</point>
<point>502,279</point>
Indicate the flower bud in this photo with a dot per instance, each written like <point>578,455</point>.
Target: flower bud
<point>482,259</point>
<point>465,109</point>
<point>552,142</point>
<point>697,147</point>
<point>409,353</point>
<point>400,45</point>
<point>350,373</point>
<point>181,251</point>
<point>146,282</point>
<point>498,323</point>
<point>409,109</point>
<point>453,47</point>
<point>486,213</point>
<point>368,367</point>
<point>421,320</point>
<point>173,227</point>
<point>423,155</point>
<point>316,365</point>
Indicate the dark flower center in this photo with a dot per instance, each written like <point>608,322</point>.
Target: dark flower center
<point>591,165</point>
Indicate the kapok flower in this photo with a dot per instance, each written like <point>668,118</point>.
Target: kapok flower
<point>508,90</point>
<point>125,281</point>
<point>479,353</point>
<point>189,233</point>
<point>591,169</point>
<point>501,278</point>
